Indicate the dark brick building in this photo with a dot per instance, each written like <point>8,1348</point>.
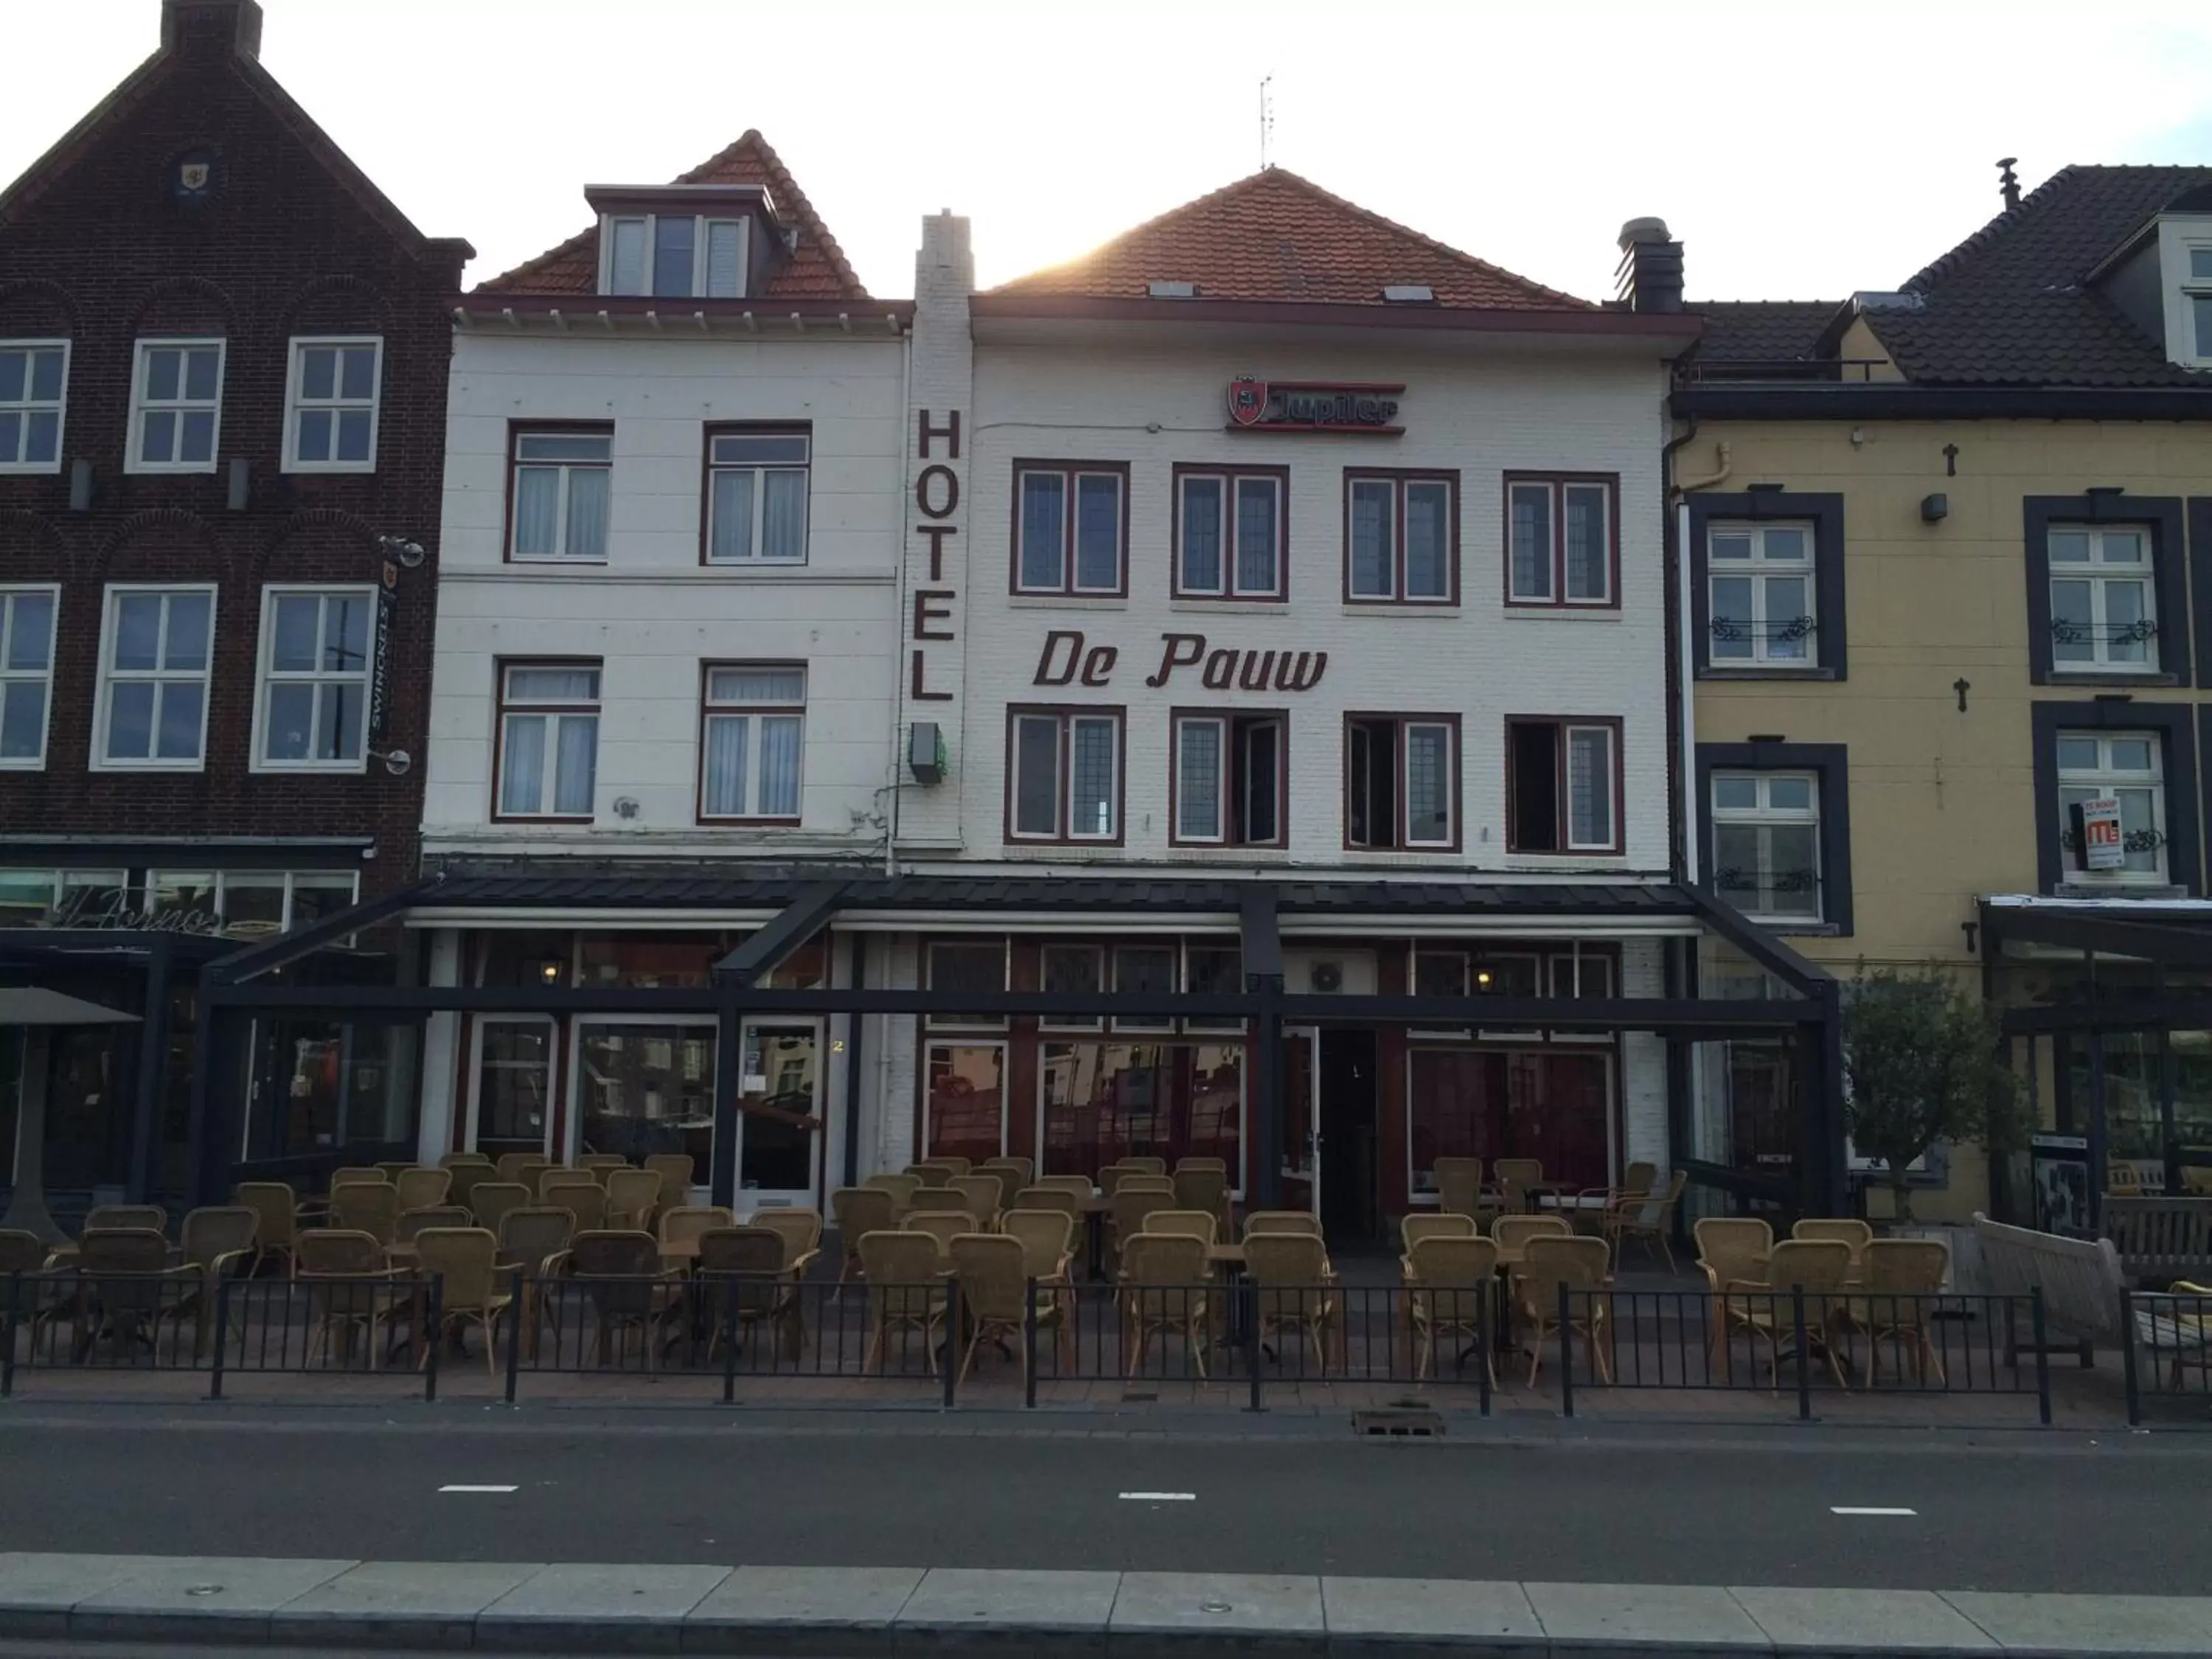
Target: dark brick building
<point>223,358</point>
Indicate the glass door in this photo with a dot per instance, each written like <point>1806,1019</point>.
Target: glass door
<point>1301,1124</point>
<point>779,1114</point>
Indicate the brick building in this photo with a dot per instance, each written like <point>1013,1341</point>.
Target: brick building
<point>223,360</point>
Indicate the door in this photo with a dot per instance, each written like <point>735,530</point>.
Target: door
<point>779,1114</point>
<point>1300,1130</point>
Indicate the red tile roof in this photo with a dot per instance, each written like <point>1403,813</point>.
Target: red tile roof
<point>817,269</point>
<point>1276,236</point>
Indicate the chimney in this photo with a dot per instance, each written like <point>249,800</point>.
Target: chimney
<point>214,26</point>
<point>1649,276</point>
<point>2009,182</point>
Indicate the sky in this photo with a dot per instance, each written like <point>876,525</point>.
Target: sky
<point>1798,151</point>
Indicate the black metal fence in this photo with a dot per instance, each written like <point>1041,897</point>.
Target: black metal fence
<point>2169,1347</point>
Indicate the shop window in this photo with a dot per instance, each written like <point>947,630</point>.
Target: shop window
<point>558,497</point>
<point>33,393</point>
<point>1146,968</point>
<point>27,674</point>
<point>1401,537</point>
<point>647,1086</point>
<point>548,740</point>
<point>682,961</point>
<point>516,956</point>
<point>330,405</point>
<point>965,1107</point>
<point>1231,530</point>
<point>1104,1101</point>
<point>1071,527</point>
<point>1213,970</point>
<point>978,965</point>
<point>176,406</point>
<point>1563,791</point>
<point>313,707</point>
<point>1064,774</point>
<point>1079,970</point>
<point>1493,1104</point>
<point>514,1084</point>
<point>1230,779</point>
<point>1401,783</point>
<point>757,496</point>
<point>752,742</point>
<point>1562,544</point>
<point>156,646</point>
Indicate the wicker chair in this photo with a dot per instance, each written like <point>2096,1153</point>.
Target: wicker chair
<point>1730,1248</point>
<point>1162,1293</point>
<point>1856,1235</point>
<point>906,1288</point>
<point>1135,1199</point>
<point>1580,1264</point>
<point>619,1275</point>
<point>277,1218</point>
<point>1011,1174</point>
<point>993,1271</point>
<point>1459,1187</point>
<point>362,1208</point>
<point>533,1240</point>
<point>355,1175</point>
<point>1047,1238</point>
<point>1450,1279</point>
<point>1025,1168</point>
<point>412,1224</point>
<point>1260,1222</point>
<point>985,1196</point>
<point>490,1200</point>
<point>1057,1198</point>
<point>1147,1164</point>
<point>858,1210</point>
<point>632,1198</point>
<point>1901,1278</point>
<point>941,1226</point>
<point>1514,1234</point>
<point>902,1187</point>
<point>458,1160</point>
<point>938,1200</point>
<point>1296,1286</point>
<point>117,1217</point>
<point>349,1289</point>
<point>599,1161</point>
<point>743,1285</point>
<point>687,1221</point>
<point>466,1178</point>
<point>1434,1224</point>
<point>1764,1308</point>
<point>1079,1188</point>
<point>674,1170</point>
<point>420,1188</point>
<point>1515,1177</point>
<point>1203,1185</point>
<point>578,1192</point>
<point>801,1233</point>
<point>1648,1216</point>
<point>1201,1225</point>
<point>127,1287</point>
<point>473,1292</point>
<point>512,1166</point>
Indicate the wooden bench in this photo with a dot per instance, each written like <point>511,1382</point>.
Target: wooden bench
<point>2080,1278</point>
<point>2160,1238</point>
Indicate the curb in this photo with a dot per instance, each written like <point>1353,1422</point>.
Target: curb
<point>52,1604</point>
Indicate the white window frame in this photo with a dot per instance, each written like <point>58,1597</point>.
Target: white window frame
<point>1230,482</point>
<point>2097,573</point>
<point>702,224</point>
<point>2196,340</point>
<point>567,469</point>
<point>27,405</point>
<point>1399,487</point>
<point>555,715</point>
<point>1072,475</point>
<point>1764,816</point>
<point>716,470</point>
<point>285,881</point>
<point>140,406</point>
<point>1756,570</point>
<point>752,713</point>
<point>1065,721</point>
<point>1444,843</point>
<point>1233,730</point>
<point>296,403</point>
<point>1555,489</point>
<point>1400,730</point>
<point>2106,780</point>
<point>1569,731</point>
<point>109,677</point>
<point>11,677</point>
<point>482,1026</point>
<point>266,676</point>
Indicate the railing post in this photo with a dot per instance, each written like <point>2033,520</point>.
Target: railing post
<point>952,1337</point>
<point>515,1327</point>
<point>432,1336</point>
<point>1566,1353</point>
<point>729,1331</point>
<point>1486,1301</point>
<point>2128,1358</point>
<point>1028,1342</point>
<point>1248,1293</point>
<point>1804,1355</point>
<point>8,1325</point>
<point>221,1335</point>
<point>2042,1357</point>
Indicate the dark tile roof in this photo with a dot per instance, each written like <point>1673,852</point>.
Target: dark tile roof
<point>2012,304</point>
<point>1275,236</point>
<point>817,270</point>
<point>1761,331</point>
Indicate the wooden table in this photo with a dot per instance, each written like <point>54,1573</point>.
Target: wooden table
<point>1225,1255</point>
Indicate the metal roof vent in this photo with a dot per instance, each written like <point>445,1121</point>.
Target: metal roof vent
<point>1409,293</point>
<point>1172,290</point>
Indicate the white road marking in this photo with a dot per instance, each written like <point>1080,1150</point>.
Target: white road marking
<point>1847,1509</point>
<point>1160,1497</point>
<point>476,1489</point>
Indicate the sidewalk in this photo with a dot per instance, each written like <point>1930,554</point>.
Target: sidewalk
<point>51,1604</point>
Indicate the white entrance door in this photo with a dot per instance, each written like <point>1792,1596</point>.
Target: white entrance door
<point>780,1121</point>
<point>1301,1124</point>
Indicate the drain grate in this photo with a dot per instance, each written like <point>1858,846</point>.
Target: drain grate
<point>1398,1424</point>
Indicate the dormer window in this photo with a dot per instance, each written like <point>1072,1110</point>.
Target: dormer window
<point>672,256</point>
<point>2197,287</point>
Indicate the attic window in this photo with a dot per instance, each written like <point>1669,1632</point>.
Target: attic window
<point>1172,290</point>
<point>2197,287</point>
<point>1409,293</point>
<point>672,256</point>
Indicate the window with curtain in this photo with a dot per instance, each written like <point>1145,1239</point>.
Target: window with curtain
<point>154,676</point>
<point>548,740</point>
<point>756,497</point>
<point>561,486</point>
<point>1230,534</point>
<point>315,676</point>
<point>1065,781</point>
<point>754,738</point>
<point>1068,527</point>
<point>1399,542</point>
<point>331,425</point>
<point>1559,540</point>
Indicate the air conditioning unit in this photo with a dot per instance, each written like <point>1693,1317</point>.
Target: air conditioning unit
<point>1329,973</point>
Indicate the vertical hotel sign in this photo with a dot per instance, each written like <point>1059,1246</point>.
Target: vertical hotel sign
<point>936,505</point>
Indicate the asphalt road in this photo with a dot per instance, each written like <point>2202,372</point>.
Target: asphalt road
<point>2015,1513</point>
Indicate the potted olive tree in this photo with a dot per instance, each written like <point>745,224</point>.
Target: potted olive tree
<point>1922,1062</point>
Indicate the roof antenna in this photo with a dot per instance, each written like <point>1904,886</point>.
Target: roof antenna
<point>1266,119</point>
<point>2009,182</point>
